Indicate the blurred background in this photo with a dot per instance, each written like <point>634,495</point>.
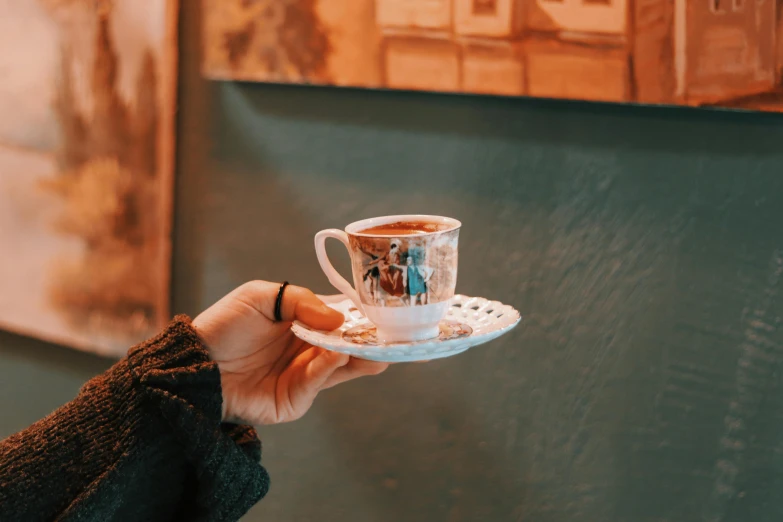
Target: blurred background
<point>642,246</point>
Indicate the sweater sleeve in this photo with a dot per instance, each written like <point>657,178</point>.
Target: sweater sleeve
<point>143,441</point>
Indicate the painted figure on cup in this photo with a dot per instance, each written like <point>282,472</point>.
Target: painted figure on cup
<point>385,277</point>
<point>371,279</point>
<point>418,276</point>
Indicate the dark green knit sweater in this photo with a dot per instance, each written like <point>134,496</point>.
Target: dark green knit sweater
<point>142,442</point>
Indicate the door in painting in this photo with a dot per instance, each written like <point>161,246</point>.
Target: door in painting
<point>725,48</point>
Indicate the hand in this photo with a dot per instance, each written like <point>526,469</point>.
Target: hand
<point>268,375</point>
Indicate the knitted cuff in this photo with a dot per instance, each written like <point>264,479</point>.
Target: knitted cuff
<point>174,372</point>
<point>175,364</point>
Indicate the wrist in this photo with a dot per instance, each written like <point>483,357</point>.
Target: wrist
<point>227,409</point>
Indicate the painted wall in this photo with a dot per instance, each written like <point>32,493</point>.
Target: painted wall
<point>642,245</point>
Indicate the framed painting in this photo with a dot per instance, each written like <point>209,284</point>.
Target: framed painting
<point>86,169</point>
<point>675,52</point>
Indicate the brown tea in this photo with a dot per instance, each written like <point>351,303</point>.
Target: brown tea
<point>405,228</point>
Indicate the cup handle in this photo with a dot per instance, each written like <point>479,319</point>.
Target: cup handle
<point>333,275</point>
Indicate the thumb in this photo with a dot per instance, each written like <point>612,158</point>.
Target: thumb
<point>300,304</point>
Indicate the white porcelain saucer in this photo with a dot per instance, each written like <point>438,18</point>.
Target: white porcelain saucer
<point>470,321</point>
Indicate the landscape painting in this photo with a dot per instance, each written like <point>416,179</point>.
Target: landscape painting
<point>86,166</point>
<point>676,52</point>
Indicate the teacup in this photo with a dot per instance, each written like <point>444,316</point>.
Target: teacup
<point>404,271</point>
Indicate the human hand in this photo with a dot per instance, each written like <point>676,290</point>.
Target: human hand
<point>268,375</point>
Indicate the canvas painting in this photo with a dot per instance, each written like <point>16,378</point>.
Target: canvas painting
<point>86,167</point>
<point>674,52</point>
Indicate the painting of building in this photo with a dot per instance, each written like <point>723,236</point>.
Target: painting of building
<point>724,47</point>
<point>86,169</point>
<point>682,52</point>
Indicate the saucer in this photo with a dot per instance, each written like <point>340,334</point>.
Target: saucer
<point>470,321</point>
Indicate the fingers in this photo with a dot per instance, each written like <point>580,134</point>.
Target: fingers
<point>299,304</point>
<point>316,369</point>
<point>322,367</point>
<point>353,370</point>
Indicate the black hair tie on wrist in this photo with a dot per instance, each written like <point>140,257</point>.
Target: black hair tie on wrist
<point>279,302</point>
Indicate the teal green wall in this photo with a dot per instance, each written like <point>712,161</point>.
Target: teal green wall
<point>643,246</point>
